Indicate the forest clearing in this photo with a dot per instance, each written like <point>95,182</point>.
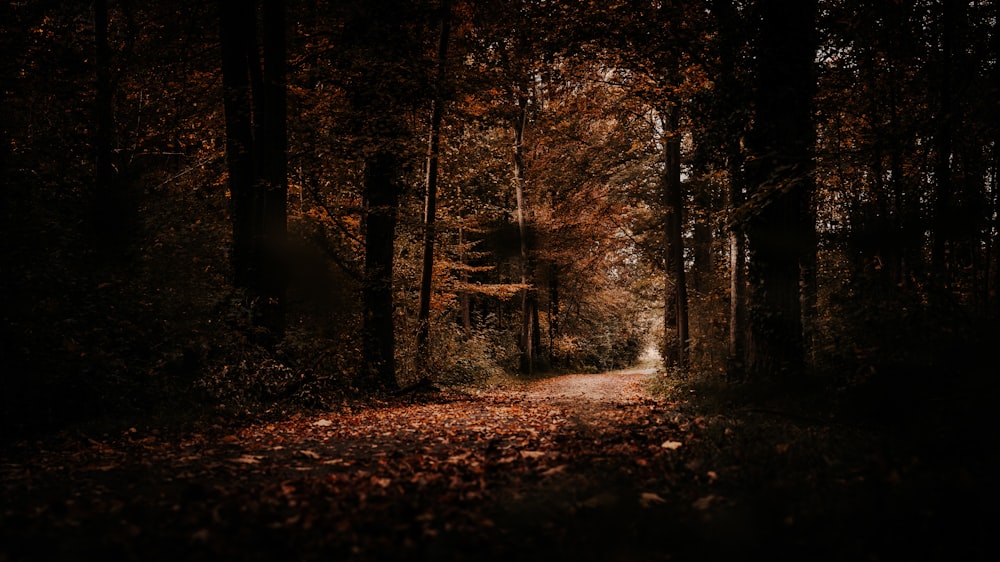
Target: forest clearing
<point>575,467</point>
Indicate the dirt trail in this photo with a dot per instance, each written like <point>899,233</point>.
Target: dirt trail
<point>572,466</point>
<point>576,467</point>
<point>588,399</point>
<point>620,387</point>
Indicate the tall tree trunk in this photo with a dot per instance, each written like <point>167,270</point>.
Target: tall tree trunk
<point>256,145</point>
<point>732,89</point>
<point>808,283</point>
<point>553,313</point>
<point>673,200</point>
<point>381,197</point>
<point>376,41</point>
<point>780,173</point>
<point>237,21</point>
<point>527,296</point>
<point>430,195</point>
<point>943,216</point>
<point>993,244</point>
<point>737,302</point>
<point>464,300</point>
<point>273,155</point>
<point>109,208</point>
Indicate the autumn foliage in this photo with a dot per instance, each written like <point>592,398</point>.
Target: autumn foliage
<point>272,253</point>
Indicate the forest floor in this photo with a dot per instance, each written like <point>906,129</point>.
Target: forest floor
<point>573,467</point>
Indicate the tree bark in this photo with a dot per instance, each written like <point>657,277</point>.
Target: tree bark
<point>943,141</point>
<point>527,298</point>
<point>465,304</point>
<point>553,313</point>
<point>109,208</point>
<point>378,332</point>
<point>673,200</point>
<point>780,172</point>
<point>256,153</point>
<point>430,195</point>
<point>273,155</point>
<point>993,243</point>
<point>731,88</point>
<point>237,20</point>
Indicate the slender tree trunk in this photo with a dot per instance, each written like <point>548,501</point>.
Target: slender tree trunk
<point>673,199</point>
<point>732,87</point>
<point>993,244</point>
<point>527,298</point>
<point>236,22</point>
<point>553,313</point>
<point>430,195</point>
<point>378,332</point>
<point>943,219</point>
<point>374,38</point>
<point>109,206</point>
<point>808,284</point>
<point>465,313</point>
<point>256,152</point>
<point>737,302</point>
<point>273,153</point>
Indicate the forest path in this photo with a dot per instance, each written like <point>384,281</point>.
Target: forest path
<point>573,467</point>
<point>583,389</point>
<point>588,467</point>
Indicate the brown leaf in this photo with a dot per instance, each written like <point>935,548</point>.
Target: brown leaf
<point>703,503</point>
<point>555,470</point>
<point>247,459</point>
<point>648,499</point>
<point>459,458</point>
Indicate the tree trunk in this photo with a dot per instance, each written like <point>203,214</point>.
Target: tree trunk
<point>237,20</point>
<point>527,297</point>
<point>737,302</point>
<point>943,219</point>
<point>430,195</point>
<point>673,199</point>
<point>256,146</point>
<point>553,313</point>
<point>465,313</point>
<point>378,332</point>
<point>732,89</point>
<point>780,172</point>
<point>109,207</point>
<point>993,244</point>
<point>273,155</point>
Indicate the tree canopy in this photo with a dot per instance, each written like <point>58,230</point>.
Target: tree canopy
<point>235,199</point>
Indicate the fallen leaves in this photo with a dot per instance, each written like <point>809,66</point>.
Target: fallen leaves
<point>417,472</point>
